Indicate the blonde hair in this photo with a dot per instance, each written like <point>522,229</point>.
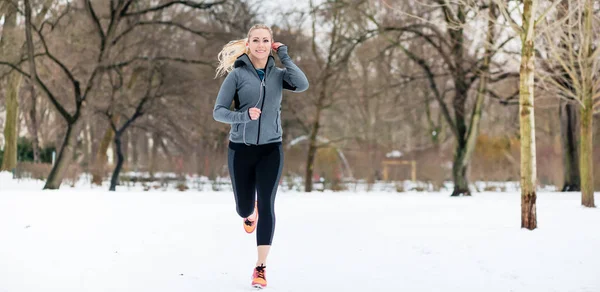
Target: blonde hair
<point>234,49</point>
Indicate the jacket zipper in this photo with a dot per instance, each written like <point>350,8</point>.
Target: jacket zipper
<point>262,95</point>
<point>262,86</point>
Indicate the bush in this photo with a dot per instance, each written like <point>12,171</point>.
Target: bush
<point>182,187</point>
<point>42,170</point>
<point>33,170</point>
<point>399,187</point>
<point>25,151</point>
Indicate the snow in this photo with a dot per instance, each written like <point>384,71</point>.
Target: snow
<point>86,239</point>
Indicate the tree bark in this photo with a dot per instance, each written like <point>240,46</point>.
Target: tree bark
<point>459,172</point>
<point>10,50</point>
<point>144,157</point>
<point>312,141</point>
<point>87,145</point>
<point>65,156</point>
<point>570,153</point>
<point>101,156</point>
<point>31,57</point>
<point>464,151</point>
<point>154,154</point>
<point>567,112</point>
<point>586,157</point>
<point>135,138</point>
<point>527,118</point>
<point>312,152</point>
<point>459,166</point>
<point>9,161</point>
<point>33,123</point>
<point>120,159</point>
<point>586,143</point>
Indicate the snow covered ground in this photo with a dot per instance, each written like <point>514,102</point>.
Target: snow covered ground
<point>89,240</point>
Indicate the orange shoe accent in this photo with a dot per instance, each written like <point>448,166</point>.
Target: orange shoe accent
<point>250,222</point>
<point>259,278</point>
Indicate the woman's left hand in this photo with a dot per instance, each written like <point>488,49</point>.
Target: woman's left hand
<point>276,46</point>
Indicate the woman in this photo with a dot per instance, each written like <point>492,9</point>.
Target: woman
<point>255,157</point>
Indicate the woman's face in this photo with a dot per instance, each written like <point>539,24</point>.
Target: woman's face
<point>259,43</point>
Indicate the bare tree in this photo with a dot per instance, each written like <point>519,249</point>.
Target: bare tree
<point>150,94</point>
<point>569,137</point>
<point>109,27</point>
<point>342,37</point>
<point>194,39</point>
<point>384,89</point>
<point>447,38</point>
<point>567,107</point>
<point>13,48</point>
<point>527,117</point>
<point>578,63</point>
<point>528,34</point>
<point>34,124</point>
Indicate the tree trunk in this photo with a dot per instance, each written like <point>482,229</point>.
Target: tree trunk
<point>154,154</point>
<point>65,156</point>
<point>33,127</point>
<point>9,161</point>
<point>568,138</point>
<point>120,159</point>
<point>127,149</point>
<point>144,151</point>
<point>9,50</point>
<point>460,163</point>
<point>31,56</point>
<point>586,157</point>
<point>87,143</point>
<point>464,151</point>
<point>135,138</point>
<point>312,150</point>
<point>459,172</point>
<point>527,118</point>
<point>101,156</point>
<point>587,109</point>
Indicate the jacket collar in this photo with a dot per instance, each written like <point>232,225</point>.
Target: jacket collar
<point>244,60</point>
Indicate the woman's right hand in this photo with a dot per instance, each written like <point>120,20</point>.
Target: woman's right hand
<point>254,113</point>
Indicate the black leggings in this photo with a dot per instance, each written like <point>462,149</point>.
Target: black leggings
<point>256,169</point>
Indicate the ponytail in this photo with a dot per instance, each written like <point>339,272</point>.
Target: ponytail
<point>228,55</point>
<point>234,49</point>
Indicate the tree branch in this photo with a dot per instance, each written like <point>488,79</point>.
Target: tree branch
<point>501,6</point>
<point>510,100</point>
<point>546,12</point>
<point>139,108</point>
<point>58,19</point>
<point>427,38</point>
<point>433,86</point>
<point>96,21</point>
<point>19,65</point>
<point>300,121</point>
<point>180,60</point>
<point>62,66</point>
<point>504,76</point>
<point>191,4</point>
<point>41,84</point>
<point>203,34</point>
<point>479,68</point>
<point>15,67</point>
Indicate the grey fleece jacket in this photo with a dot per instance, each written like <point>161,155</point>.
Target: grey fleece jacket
<point>244,87</point>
